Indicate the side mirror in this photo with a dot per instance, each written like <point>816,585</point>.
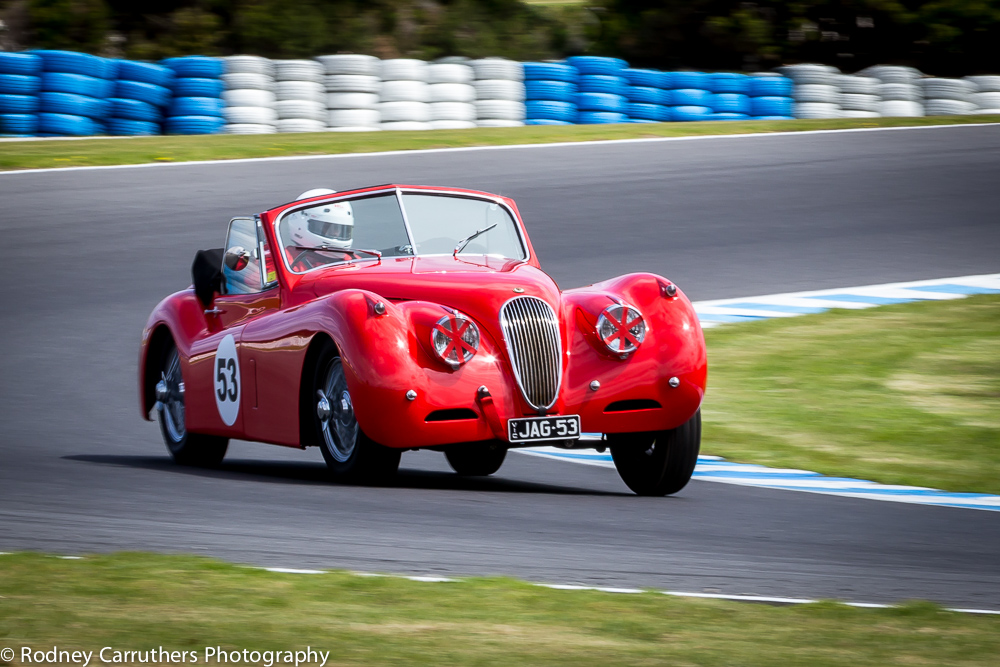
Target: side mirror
<point>237,258</point>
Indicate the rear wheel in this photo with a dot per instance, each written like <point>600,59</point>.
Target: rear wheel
<point>350,454</point>
<point>190,449</point>
<point>657,463</point>
<point>476,459</point>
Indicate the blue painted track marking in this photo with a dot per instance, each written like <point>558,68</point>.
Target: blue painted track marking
<point>746,309</point>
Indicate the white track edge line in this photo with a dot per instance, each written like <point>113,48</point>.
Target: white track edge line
<point>459,149</point>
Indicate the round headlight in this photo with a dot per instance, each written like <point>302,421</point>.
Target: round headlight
<point>455,339</point>
<point>621,328</point>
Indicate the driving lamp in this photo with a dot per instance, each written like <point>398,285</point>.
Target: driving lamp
<point>621,328</point>
<point>455,339</point>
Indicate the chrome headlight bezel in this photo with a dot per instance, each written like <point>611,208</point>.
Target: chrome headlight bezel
<point>455,339</point>
<point>621,328</point>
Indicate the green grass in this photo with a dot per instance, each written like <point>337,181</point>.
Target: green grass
<point>34,154</point>
<point>137,602</point>
<point>905,394</point>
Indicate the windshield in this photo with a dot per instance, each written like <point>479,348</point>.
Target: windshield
<point>365,228</point>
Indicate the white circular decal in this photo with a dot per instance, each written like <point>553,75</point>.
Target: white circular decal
<point>227,380</point>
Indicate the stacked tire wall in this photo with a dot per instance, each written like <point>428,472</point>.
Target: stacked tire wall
<point>142,94</point>
<point>550,91</point>
<point>648,95</point>
<point>197,105</point>
<point>249,96</point>
<point>75,88</point>
<point>987,95</point>
<point>300,96</point>
<point>603,87</point>
<point>690,96</point>
<point>20,83</point>
<point>771,97</point>
<point>452,96</point>
<point>405,96</point>
<point>353,83</point>
<point>500,92</point>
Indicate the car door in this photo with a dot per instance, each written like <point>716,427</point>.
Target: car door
<point>222,384</point>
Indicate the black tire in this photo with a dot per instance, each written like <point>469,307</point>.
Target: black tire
<point>657,463</point>
<point>186,448</point>
<point>349,453</point>
<point>476,459</point>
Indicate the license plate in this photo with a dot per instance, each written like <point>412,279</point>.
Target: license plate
<point>539,429</point>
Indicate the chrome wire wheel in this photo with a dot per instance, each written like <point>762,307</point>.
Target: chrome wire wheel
<point>335,411</point>
<point>170,397</point>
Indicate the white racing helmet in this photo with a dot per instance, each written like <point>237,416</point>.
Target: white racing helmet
<point>330,224</point>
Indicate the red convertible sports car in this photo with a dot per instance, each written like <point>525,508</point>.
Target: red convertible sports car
<point>398,317</point>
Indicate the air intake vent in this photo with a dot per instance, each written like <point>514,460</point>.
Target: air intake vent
<point>531,331</point>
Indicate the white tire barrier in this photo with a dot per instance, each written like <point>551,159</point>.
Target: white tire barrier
<point>856,113</point>
<point>985,84</point>
<point>298,70</point>
<point>452,111</point>
<point>809,74</point>
<point>452,92</point>
<point>816,110</point>
<point>500,92</point>
<point>451,125</point>
<point>250,115</point>
<point>300,125</point>
<point>859,102</point>
<point>820,93</point>
<point>892,73</point>
<point>499,89</point>
<point>989,100</point>
<point>350,65</point>
<point>406,125</point>
<point>405,91</point>
<point>449,73</point>
<point>351,101</point>
<point>404,112</point>
<point>497,68</point>
<point>247,97</point>
<point>901,108</point>
<point>858,85</point>
<point>247,81</point>
<point>247,128</point>
<point>948,107</point>
<point>299,90</point>
<point>947,89</point>
<point>499,123</point>
<point>352,83</point>
<point>249,65</point>
<point>404,69</point>
<point>353,118</point>
<point>906,92</point>
<point>300,110</point>
<point>499,110</point>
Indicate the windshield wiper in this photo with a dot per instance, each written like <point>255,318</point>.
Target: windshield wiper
<point>346,251</point>
<point>464,242</point>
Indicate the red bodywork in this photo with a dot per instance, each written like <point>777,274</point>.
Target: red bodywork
<point>387,355</point>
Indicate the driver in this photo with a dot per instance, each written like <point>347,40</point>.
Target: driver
<point>328,225</point>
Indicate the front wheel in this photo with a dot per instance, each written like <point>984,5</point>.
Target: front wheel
<point>476,459</point>
<point>189,449</point>
<point>657,463</point>
<point>350,455</point>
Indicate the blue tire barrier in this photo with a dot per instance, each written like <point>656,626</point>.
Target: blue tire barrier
<point>771,106</point>
<point>74,105</point>
<point>730,103</point>
<point>18,123</point>
<point>71,62</point>
<point>196,106</point>
<point>144,92</point>
<point>600,117</point>
<point>78,84</point>
<point>19,84</point>
<point>597,83</point>
<point>546,121</point>
<point>132,70</point>
<point>549,110</point>
<point>550,72</point>
<point>654,112</point>
<point>124,109</point>
<point>597,65</point>
<point>695,80</point>
<point>193,125</point>
<point>667,80</point>
<point>200,67</point>
<point>690,113</point>
<point>198,87</point>
<point>726,82</point>
<point>774,117</point>
<point>690,97</point>
<point>18,104</point>
<point>641,120</point>
<point>729,116</point>
<point>20,63</point>
<point>646,95</point>
<point>770,86</point>
<point>61,124</point>
<point>601,102</point>
<point>124,127</point>
<point>649,78</point>
<point>559,91</point>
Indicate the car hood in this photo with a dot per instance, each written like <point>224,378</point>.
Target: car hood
<point>473,284</point>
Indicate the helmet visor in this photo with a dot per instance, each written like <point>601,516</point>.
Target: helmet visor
<point>330,230</point>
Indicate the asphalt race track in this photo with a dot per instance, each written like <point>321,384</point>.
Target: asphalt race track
<point>86,254</point>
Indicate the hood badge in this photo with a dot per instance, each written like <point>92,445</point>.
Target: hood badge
<point>518,290</point>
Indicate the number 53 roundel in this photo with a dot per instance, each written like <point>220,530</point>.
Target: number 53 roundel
<point>227,380</point>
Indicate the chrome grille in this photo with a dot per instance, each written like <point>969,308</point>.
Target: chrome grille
<point>531,330</point>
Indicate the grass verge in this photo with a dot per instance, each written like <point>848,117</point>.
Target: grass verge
<point>35,154</point>
<point>182,603</point>
<point>904,394</point>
